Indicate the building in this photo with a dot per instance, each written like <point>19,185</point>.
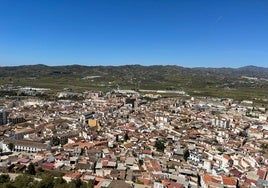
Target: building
<point>220,122</point>
<point>195,156</point>
<point>24,145</point>
<point>208,180</point>
<point>86,116</point>
<point>3,117</point>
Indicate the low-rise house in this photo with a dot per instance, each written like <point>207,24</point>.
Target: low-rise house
<point>175,185</point>
<point>256,133</point>
<point>208,180</point>
<point>121,174</point>
<point>72,176</point>
<point>158,185</point>
<point>83,167</point>
<point>130,161</point>
<point>48,166</point>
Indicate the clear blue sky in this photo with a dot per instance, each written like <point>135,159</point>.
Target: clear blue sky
<point>190,33</point>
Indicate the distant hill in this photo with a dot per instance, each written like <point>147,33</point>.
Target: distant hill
<point>44,70</point>
<point>205,81</point>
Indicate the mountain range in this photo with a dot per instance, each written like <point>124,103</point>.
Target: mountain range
<point>227,82</point>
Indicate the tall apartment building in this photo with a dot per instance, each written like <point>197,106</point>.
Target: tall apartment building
<point>3,117</point>
<point>221,122</point>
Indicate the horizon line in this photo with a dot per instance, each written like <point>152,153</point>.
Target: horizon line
<point>207,67</point>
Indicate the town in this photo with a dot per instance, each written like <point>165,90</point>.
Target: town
<point>123,138</point>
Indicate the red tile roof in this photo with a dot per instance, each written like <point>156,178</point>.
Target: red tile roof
<point>262,174</point>
<point>104,162</point>
<point>226,157</point>
<point>249,181</point>
<point>73,175</point>
<point>236,173</point>
<point>209,178</point>
<point>48,166</point>
<point>229,180</point>
<point>175,185</point>
<point>24,160</point>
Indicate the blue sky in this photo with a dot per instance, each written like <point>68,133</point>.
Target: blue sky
<point>190,33</point>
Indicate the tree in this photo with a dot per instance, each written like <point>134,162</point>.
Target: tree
<point>117,138</point>
<point>24,181</point>
<point>8,185</point>
<point>4,178</point>
<point>221,149</point>
<point>82,151</point>
<point>60,183</point>
<point>90,184</point>
<point>186,154</point>
<point>31,169</point>
<point>40,170</point>
<point>10,146</point>
<point>55,141</point>
<point>243,134</point>
<point>264,146</point>
<point>126,137</point>
<point>160,146</point>
<point>46,182</point>
<point>75,184</point>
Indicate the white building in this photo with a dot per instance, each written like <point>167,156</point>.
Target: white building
<point>220,122</point>
<point>195,156</point>
<point>23,145</point>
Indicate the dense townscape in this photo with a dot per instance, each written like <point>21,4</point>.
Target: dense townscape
<point>123,139</point>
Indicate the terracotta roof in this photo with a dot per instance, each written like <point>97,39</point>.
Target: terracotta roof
<point>229,180</point>
<point>249,181</point>
<point>144,181</point>
<point>24,160</point>
<point>175,185</point>
<point>105,162</point>
<point>24,131</point>
<point>226,157</point>
<point>119,183</point>
<point>73,175</point>
<point>37,159</point>
<point>48,166</point>
<point>82,166</point>
<point>165,182</point>
<point>209,178</point>
<point>79,145</point>
<point>262,174</point>
<point>236,173</point>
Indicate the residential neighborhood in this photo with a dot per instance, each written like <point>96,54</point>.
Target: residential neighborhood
<point>127,139</point>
